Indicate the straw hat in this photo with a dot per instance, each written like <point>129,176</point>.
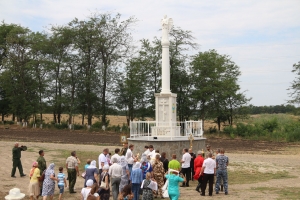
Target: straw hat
<point>15,194</point>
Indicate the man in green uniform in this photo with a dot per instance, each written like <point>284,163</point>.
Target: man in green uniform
<point>41,162</point>
<point>16,158</point>
<point>72,167</point>
<point>41,165</point>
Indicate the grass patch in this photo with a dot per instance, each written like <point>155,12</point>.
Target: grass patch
<point>253,176</point>
<point>284,193</point>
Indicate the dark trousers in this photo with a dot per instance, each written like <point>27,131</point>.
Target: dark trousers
<point>17,163</point>
<point>187,173</point>
<point>192,172</point>
<point>210,178</point>
<point>72,179</point>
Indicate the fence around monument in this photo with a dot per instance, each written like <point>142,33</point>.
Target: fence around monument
<point>165,129</point>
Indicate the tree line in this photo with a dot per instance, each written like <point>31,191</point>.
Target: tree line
<point>92,67</point>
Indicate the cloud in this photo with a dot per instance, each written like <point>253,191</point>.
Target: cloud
<point>262,37</point>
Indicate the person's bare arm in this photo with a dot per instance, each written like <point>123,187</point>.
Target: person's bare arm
<point>53,178</point>
<point>202,170</point>
<point>128,173</point>
<point>77,170</point>
<point>65,182</point>
<point>106,182</point>
<point>96,177</point>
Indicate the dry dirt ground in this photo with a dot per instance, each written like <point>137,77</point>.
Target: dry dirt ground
<point>261,156</point>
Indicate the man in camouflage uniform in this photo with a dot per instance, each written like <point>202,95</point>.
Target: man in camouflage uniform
<point>158,174</point>
<point>72,167</point>
<point>16,158</point>
<point>221,165</point>
<point>124,149</point>
<point>209,150</point>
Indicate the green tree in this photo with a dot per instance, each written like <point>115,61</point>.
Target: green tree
<point>16,77</point>
<point>132,89</point>
<point>295,87</point>
<point>216,90</point>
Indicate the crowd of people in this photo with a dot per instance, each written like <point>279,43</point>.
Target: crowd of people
<point>128,175</point>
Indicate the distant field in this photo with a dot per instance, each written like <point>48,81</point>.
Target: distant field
<point>120,120</point>
<point>114,120</point>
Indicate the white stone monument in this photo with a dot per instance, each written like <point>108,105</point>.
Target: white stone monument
<point>165,101</point>
<point>166,133</point>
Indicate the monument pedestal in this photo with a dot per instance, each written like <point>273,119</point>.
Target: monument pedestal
<point>165,112</point>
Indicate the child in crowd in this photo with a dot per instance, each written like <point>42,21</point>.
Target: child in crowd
<point>88,162</point>
<point>126,193</point>
<point>61,182</point>
<point>108,156</point>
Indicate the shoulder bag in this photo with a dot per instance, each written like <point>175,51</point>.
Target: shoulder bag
<point>103,184</point>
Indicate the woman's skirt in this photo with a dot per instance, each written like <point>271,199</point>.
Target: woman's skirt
<point>34,189</point>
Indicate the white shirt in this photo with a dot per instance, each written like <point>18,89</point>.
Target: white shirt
<point>187,160</point>
<point>115,156</point>
<point>147,152</point>
<point>129,157</point>
<point>102,159</point>
<point>86,191</point>
<point>210,165</point>
<point>152,154</point>
<point>115,171</point>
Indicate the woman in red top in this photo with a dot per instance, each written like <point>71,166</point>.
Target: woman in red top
<point>198,162</point>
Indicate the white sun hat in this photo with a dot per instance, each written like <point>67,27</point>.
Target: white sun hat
<point>15,194</point>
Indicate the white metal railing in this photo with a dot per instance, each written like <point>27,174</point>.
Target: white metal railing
<point>165,129</point>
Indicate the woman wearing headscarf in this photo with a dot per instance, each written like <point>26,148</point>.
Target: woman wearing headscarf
<point>104,192</point>
<point>146,166</point>
<point>173,188</point>
<point>49,182</point>
<point>136,178</point>
<point>34,187</point>
<point>91,173</point>
<point>86,191</point>
<point>126,176</point>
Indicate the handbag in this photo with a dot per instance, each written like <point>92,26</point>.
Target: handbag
<point>83,174</point>
<point>165,194</point>
<point>103,184</point>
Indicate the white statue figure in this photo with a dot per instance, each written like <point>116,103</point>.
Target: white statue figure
<point>167,24</point>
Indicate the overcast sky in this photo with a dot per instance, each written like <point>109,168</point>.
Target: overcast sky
<point>262,37</point>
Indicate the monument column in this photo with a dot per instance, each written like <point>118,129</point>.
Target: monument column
<point>167,24</point>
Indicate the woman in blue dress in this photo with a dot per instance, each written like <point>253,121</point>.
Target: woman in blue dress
<point>174,180</point>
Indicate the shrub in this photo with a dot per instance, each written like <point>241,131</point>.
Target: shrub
<point>78,127</point>
<point>99,124</point>
<point>294,136</point>
<point>63,125</point>
<point>270,125</point>
<point>9,122</point>
<point>212,130</point>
